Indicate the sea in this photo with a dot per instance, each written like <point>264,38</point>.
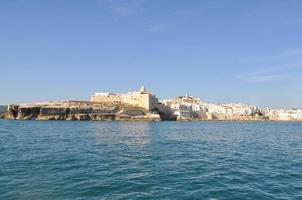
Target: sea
<point>150,160</point>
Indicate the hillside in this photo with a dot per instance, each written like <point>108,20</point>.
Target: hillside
<point>78,110</point>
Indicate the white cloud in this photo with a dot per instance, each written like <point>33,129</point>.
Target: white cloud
<point>128,7</point>
<point>294,53</point>
<point>124,7</point>
<point>261,78</point>
<point>289,53</point>
<point>286,72</point>
<point>243,60</point>
<point>158,27</point>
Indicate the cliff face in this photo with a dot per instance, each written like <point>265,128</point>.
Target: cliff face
<point>78,110</point>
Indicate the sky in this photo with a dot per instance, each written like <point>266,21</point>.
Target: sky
<point>218,50</point>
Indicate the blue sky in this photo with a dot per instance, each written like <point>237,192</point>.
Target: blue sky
<point>220,51</point>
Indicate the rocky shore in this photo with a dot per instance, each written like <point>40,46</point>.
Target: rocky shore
<point>78,110</point>
<point>87,110</point>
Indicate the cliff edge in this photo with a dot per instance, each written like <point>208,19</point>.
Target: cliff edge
<point>78,110</point>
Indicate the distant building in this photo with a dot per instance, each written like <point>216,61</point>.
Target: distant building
<point>184,106</point>
<point>282,114</point>
<point>183,111</point>
<point>106,97</point>
<point>141,98</point>
<point>192,107</point>
<point>296,114</point>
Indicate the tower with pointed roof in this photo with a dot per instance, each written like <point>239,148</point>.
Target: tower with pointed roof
<point>143,89</point>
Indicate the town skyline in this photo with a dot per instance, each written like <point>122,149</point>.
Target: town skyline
<point>220,51</point>
<point>190,107</point>
<point>109,92</point>
<point>160,99</point>
<point>142,104</point>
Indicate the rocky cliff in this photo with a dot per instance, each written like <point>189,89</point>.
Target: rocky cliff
<point>78,110</point>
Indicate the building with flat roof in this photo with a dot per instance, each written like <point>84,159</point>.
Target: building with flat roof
<point>142,98</point>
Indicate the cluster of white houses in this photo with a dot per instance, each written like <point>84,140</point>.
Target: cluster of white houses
<point>192,107</point>
<point>283,114</point>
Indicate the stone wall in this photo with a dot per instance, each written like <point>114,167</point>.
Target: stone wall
<point>106,98</point>
<point>141,99</point>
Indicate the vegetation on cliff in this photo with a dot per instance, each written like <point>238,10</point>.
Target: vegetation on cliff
<point>78,110</point>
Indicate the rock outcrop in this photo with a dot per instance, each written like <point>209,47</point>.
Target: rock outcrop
<point>79,110</point>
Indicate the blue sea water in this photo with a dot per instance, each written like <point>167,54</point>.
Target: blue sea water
<point>150,160</point>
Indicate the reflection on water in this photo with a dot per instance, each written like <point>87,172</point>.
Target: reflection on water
<point>128,133</point>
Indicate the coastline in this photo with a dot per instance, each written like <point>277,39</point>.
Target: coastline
<point>78,111</point>
<point>152,120</point>
<point>71,110</point>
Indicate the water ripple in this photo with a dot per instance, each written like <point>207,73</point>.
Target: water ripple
<point>143,160</point>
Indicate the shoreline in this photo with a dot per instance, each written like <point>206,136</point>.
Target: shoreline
<point>149,120</point>
<point>71,110</point>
